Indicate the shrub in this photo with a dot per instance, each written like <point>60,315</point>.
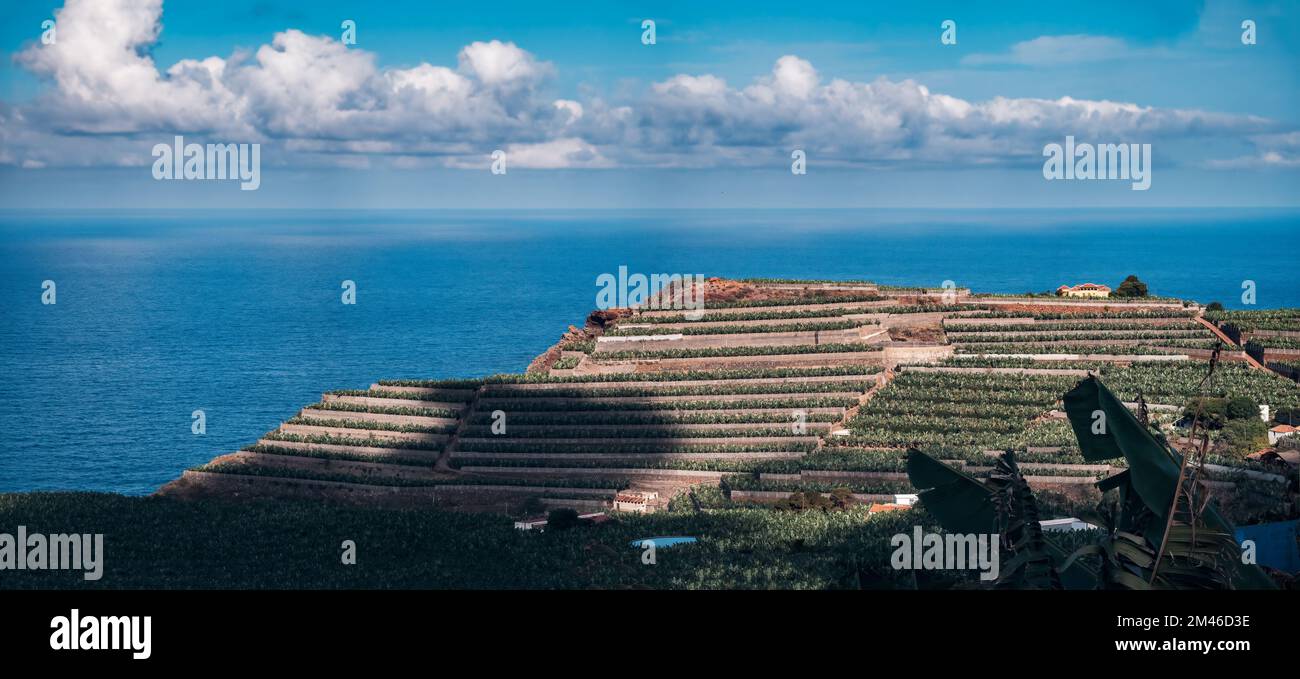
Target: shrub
<point>842,498</point>
<point>1289,416</point>
<point>1240,438</point>
<point>1131,287</point>
<point>1240,408</point>
<point>562,518</point>
<point>533,506</point>
<point>1213,410</point>
<point>1214,306</point>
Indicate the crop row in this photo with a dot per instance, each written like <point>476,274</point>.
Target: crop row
<point>1083,314</point>
<point>368,425</point>
<point>1276,342</point>
<point>579,431</point>
<point>539,405</point>
<point>794,300</point>
<point>388,393</point>
<point>829,314</point>
<point>665,376</point>
<point>517,446</point>
<point>1266,319</point>
<point>383,410</point>
<point>245,469</point>
<point>398,458</point>
<point>683,390</point>
<point>904,425</point>
<point>241,469</point>
<point>736,329</point>
<point>354,441</point>
<point>1176,383</point>
<point>901,407</point>
<point>635,418</point>
<point>875,486</point>
<point>566,363</point>
<point>776,350</point>
<point>1081,324</point>
<point>1059,336</point>
<point>1113,349</point>
<point>621,463</point>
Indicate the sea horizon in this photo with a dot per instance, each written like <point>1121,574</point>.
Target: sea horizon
<point>161,313</point>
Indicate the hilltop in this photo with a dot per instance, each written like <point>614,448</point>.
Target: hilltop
<point>776,387</point>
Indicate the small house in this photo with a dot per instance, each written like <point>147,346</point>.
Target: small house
<point>1280,432</point>
<point>635,501</point>
<point>1084,290</point>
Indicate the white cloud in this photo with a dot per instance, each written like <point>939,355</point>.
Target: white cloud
<point>1055,50</point>
<point>319,101</point>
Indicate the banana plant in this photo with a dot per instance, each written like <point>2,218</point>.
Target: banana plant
<point>1126,554</point>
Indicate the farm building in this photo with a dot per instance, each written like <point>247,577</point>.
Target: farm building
<point>635,501</point>
<point>1065,525</point>
<point>531,524</point>
<point>1280,432</point>
<point>539,523</point>
<point>1084,290</point>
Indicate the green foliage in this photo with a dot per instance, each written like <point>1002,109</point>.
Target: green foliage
<point>562,518</point>
<point>1214,306</point>
<point>524,395</point>
<point>566,363</point>
<point>162,543</point>
<point>737,329</point>
<point>1263,319</point>
<point>1240,408</point>
<point>533,506</point>
<point>1131,287</point>
<point>766,350</point>
<point>1241,437</point>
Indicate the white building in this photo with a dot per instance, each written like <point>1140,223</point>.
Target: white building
<point>635,501</point>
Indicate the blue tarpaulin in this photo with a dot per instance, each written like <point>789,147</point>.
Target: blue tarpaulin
<point>1275,544</point>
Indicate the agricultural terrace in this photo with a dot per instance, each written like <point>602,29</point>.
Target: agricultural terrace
<point>776,389</point>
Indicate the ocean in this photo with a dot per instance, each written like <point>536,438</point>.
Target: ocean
<point>158,314</point>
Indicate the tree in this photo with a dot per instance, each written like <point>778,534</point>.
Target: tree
<point>1131,287</point>
<point>1214,306</point>
<point>1240,438</point>
<point>1289,416</point>
<point>842,498</point>
<point>1213,411</point>
<point>533,506</point>
<point>1240,408</point>
<point>1147,539</point>
<point>562,519</point>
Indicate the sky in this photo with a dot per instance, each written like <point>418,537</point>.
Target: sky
<point>883,109</point>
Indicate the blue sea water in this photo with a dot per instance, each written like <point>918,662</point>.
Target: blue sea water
<point>239,314</point>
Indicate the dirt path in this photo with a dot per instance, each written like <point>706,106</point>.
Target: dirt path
<point>443,464</point>
<point>1228,341</point>
<point>885,378</point>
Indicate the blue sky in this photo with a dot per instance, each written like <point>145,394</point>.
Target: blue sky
<point>706,117</point>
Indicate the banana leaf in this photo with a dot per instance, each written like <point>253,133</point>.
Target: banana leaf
<point>1153,469</point>
<point>962,503</point>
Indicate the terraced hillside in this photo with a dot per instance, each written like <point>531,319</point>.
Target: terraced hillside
<point>773,387</point>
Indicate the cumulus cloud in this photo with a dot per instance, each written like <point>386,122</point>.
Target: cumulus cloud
<point>105,90</point>
<point>1057,50</point>
<point>1274,151</point>
<point>888,121</point>
<point>318,101</point>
